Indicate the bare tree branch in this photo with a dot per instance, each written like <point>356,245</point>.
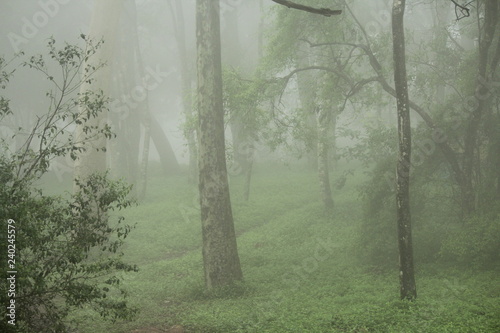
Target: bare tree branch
<point>461,11</point>
<point>321,11</point>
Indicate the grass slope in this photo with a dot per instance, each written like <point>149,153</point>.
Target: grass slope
<point>300,269</point>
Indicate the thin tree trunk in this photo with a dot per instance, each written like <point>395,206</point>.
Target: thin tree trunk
<point>167,156</point>
<point>143,177</point>
<point>260,36</point>
<point>190,133</point>
<point>482,95</point>
<point>232,56</point>
<point>220,254</point>
<point>334,158</point>
<point>323,123</point>
<point>408,288</point>
<point>307,96</point>
<point>242,140</point>
<point>248,172</point>
<point>144,116</point>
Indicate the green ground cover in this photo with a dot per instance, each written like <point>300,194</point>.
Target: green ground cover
<point>302,269</point>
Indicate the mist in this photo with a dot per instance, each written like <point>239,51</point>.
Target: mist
<point>250,166</point>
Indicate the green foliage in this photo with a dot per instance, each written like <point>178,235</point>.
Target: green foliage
<point>67,248</point>
<point>433,208</point>
<point>242,98</point>
<point>377,236</point>
<point>474,242</point>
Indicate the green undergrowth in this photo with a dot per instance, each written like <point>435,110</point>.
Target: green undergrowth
<point>302,272</point>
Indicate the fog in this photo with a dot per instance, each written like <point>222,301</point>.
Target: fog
<point>338,155</point>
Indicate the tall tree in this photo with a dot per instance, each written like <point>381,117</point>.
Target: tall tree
<point>104,24</point>
<point>128,72</point>
<point>220,253</point>
<point>187,75</point>
<point>482,95</point>
<point>464,163</point>
<point>408,289</point>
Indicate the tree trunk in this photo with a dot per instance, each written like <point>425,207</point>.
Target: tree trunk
<point>323,123</point>
<point>220,254</point>
<point>408,288</point>
<point>104,24</point>
<point>143,177</point>
<point>143,113</point>
<point>128,71</point>
<point>307,96</point>
<point>167,156</point>
<point>243,146</point>
<point>260,36</point>
<point>248,172</point>
<point>334,156</point>
<point>482,94</point>
<point>186,76</point>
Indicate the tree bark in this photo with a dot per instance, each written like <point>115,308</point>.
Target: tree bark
<point>408,288</point>
<point>220,254</point>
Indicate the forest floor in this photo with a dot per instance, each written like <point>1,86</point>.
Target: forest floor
<point>302,271</point>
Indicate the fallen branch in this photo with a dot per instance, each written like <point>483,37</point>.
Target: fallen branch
<point>321,11</point>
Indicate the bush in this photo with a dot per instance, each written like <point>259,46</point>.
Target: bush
<point>474,242</point>
<point>65,251</point>
<point>432,205</point>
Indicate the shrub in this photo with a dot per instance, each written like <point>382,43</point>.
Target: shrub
<point>66,248</point>
<point>474,242</point>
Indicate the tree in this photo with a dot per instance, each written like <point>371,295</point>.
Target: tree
<point>105,21</point>
<point>319,93</point>
<point>408,289</point>
<point>220,254</point>
<point>464,163</point>
<point>240,101</point>
<point>165,151</point>
<point>130,100</point>
<point>482,96</point>
<point>187,78</point>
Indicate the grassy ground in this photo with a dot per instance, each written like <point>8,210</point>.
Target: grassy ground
<point>300,269</point>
